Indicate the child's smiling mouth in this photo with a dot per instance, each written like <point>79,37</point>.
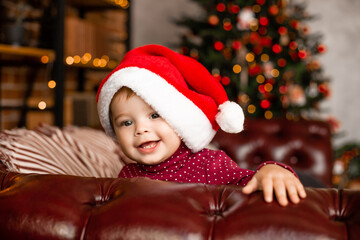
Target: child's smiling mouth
<point>149,146</point>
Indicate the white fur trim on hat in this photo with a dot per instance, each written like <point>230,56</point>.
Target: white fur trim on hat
<point>187,120</point>
<point>230,117</point>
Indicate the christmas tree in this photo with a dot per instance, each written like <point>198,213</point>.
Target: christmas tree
<point>262,51</point>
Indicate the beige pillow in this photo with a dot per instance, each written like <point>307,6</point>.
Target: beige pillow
<point>79,151</point>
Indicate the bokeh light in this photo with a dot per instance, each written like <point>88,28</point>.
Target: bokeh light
<point>42,105</point>
<point>51,84</point>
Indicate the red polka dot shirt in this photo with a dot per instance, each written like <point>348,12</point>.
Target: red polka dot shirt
<point>206,166</point>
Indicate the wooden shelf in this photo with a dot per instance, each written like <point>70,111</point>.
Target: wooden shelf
<point>94,3</point>
<point>10,50</point>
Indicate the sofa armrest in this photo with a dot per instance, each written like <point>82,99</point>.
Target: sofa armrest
<point>69,207</point>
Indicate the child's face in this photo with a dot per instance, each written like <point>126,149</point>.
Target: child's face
<point>143,135</point>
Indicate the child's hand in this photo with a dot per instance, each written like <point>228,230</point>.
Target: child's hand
<point>272,177</point>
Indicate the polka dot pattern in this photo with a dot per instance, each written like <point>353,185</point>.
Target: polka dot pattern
<point>206,166</point>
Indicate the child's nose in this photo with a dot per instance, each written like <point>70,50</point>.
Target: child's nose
<point>141,128</point>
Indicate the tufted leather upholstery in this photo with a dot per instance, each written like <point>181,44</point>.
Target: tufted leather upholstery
<point>68,207</point>
<point>303,145</point>
<point>34,206</point>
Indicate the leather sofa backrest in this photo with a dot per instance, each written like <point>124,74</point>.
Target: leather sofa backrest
<point>304,145</point>
<point>55,207</point>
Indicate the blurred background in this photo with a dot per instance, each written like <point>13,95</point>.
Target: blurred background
<point>54,54</point>
<point>337,21</point>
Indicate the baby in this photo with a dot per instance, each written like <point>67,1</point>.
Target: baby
<point>164,109</point>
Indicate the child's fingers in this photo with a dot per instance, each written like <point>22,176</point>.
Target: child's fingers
<point>251,186</point>
<point>286,188</point>
<point>301,189</point>
<point>280,192</point>
<point>292,192</point>
<point>267,186</point>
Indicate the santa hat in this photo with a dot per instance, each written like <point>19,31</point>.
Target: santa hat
<point>179,88</point>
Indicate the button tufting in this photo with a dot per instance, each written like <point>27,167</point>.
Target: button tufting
<point>294,160</point>
<point>98,201</point>
<point>216,213</point>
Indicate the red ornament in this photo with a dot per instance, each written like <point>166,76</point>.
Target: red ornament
<point>294,24</point>
<point>293,45</point>
<point>276,48</point>
<point>227,26</point>
<point>221,7</point>
<point>282,30</point>
<point>254,70</point>
<point>324,90</point>
<point>293,55</point>
<point>321,48</point>
<point>236,45</point>
<point>218,46</point>
<point>266,42</point>
<point>261,2</point>
<point>263,30</point>
<point>225,80</point>
<point>283,89</point>
<point>235,9</point>
<point>265,104</point>
<point>254,38</point>
<point>302,54</point>
<point>264,21</point>
<point>281,62</point>
<point>217,77</point>
<point>273,10</point>
<point>258,50</point>
<point>271,81</point>
<point>261,88</point>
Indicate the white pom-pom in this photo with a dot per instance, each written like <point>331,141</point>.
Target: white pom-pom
<point>230,117</point>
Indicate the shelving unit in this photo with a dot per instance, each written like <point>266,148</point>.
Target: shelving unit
<point>36,57</point>
<point>9,50</point>
<point>102,25</point>
<point>53,57</point>
<point>34,61</point>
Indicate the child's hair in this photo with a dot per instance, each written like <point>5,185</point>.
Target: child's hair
<point>128,94</point>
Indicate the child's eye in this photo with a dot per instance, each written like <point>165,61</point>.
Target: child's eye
<point>154,116</point>
<point>126,123</point>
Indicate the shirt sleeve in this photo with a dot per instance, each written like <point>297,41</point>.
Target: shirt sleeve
<point>222,170</point>
<point>279,164</point>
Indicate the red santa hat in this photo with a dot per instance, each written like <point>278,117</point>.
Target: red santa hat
<point>179,88</point>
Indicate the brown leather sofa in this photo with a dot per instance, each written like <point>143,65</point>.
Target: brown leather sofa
<point>62,206</point>
<point>304,145</point>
